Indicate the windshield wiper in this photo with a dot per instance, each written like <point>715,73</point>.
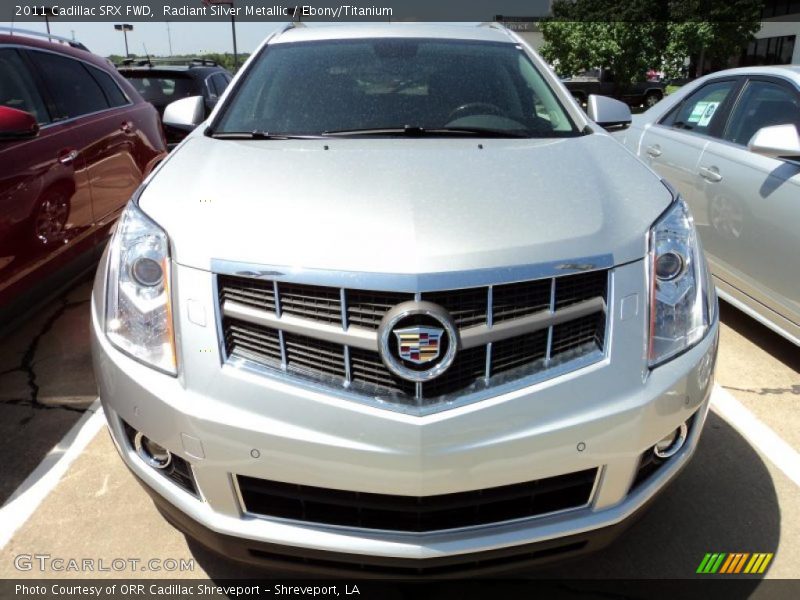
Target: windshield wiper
<point>260,135</point>
<point>415,131</point>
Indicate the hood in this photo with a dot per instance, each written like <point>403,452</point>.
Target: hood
<point>403,205</point>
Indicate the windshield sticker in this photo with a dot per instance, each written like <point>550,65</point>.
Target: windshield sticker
<point>697,112</point>
<point>708,114</point>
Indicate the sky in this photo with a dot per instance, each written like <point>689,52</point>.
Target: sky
<point>187,37</point>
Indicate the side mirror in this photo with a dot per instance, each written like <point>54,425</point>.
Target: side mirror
<point>777,141</point>
<point>608,113</point>
<point>17,124</point>
<point>185,114</point>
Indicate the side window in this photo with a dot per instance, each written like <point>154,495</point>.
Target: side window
<point>220,83</point>
<point>17,89</point>
<point>698,112</point>
<point>73,90</point>
<point>762,104</point>
<point>114,95</point>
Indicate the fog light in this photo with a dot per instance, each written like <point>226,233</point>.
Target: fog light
<point>669,445</point>
<point>153,454</point>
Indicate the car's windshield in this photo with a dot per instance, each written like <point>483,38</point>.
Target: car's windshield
<point>313,88</point>
<point>161,89</point>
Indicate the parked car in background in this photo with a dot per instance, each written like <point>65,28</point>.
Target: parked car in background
<point>350,347</point>
<point>75,141</point>
<point>729,143</point>
<point>601,82</point>
<point>163,81</point>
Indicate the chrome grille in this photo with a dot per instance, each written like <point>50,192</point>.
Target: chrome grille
<point>328,336</point>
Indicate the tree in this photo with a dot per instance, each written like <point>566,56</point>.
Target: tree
<point>725,29</point>
<point>631,36</point>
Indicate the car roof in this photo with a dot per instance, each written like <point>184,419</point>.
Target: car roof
<point>792,71</point>
<point>486,32</point>
<point>59,48</point>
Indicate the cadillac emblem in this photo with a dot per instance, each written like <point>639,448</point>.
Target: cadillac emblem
<point>419,345</point>
<point>418,340</point>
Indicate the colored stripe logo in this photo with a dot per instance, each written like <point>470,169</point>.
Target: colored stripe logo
<point>734,563</point>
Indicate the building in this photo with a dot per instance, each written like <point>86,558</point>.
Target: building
<point>776,41</point>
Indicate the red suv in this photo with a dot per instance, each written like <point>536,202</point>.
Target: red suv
<point>76,140</point>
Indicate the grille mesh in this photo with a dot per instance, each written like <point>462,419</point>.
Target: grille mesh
<point>416,513</point>
<point>363,371</point>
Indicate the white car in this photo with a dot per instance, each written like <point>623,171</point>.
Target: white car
<point>398,306</point>
<point>729,144</point>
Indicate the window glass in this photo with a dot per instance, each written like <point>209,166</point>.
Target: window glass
<point>17,89</point>
<point>114,95</point>
<point>314,87</point>
<point>220,83</point>
<point>160,89</point>
<point>72,88</point>
<point>698,112</point>
<point>762,104</point>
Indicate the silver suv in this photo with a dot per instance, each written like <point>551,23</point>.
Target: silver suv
<point>398,306</point>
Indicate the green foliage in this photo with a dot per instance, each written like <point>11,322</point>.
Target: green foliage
<point>223,59</point>
<point>631,36</point>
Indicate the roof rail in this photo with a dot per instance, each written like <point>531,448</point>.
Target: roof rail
<point>41,34</point>
<point>192,61</point>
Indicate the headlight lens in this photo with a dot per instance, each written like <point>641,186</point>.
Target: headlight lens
<point>138,307</point>
<point>682,300</point>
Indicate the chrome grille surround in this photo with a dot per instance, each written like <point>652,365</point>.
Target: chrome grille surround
<point>539,333</point>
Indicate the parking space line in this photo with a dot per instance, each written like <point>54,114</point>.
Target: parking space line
<point>38,485</point>
<point>760,436</point>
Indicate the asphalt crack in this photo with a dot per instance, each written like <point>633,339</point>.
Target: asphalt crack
<point>27,363</point>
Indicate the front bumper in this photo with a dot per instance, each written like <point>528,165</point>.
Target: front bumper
<point>227,422</point>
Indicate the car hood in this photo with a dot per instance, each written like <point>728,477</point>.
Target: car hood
<point>399,205</point>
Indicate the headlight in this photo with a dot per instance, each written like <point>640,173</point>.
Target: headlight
<point>138,307</point>
<point>682,299</point>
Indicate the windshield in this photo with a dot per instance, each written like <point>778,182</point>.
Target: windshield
<point>313,88</point>
<point>160,89</point>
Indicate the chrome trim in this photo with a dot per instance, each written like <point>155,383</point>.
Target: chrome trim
<point>484,387</point>
<point>480,335</point>
<point>368,339</point>
<point>407,309</point>
<point>412,282</point>
<point>593,360</point>
<point>146,457</point>
<point>552,309</point>
<point>680,439</point>
<point>361,531</point>
<point>343,303</point>
<point>601,470</point>
<point>358,337</point>
<point>348,375</point>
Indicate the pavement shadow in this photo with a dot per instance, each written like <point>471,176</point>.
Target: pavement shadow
<point>46,384</point>
<point>724,501</point>
<point>766,339</point>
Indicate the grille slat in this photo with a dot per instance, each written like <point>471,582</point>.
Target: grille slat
<point>416,513</point>
<point>367,309</point>
<point>363,372</point>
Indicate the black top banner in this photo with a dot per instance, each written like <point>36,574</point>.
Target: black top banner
<point>272,10</point>
<point>510,11</point>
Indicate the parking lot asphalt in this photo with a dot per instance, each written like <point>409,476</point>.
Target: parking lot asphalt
<point>732,497</point>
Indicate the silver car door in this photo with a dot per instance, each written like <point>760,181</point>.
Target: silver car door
<point>673,145</point>
<point>752,202</point>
